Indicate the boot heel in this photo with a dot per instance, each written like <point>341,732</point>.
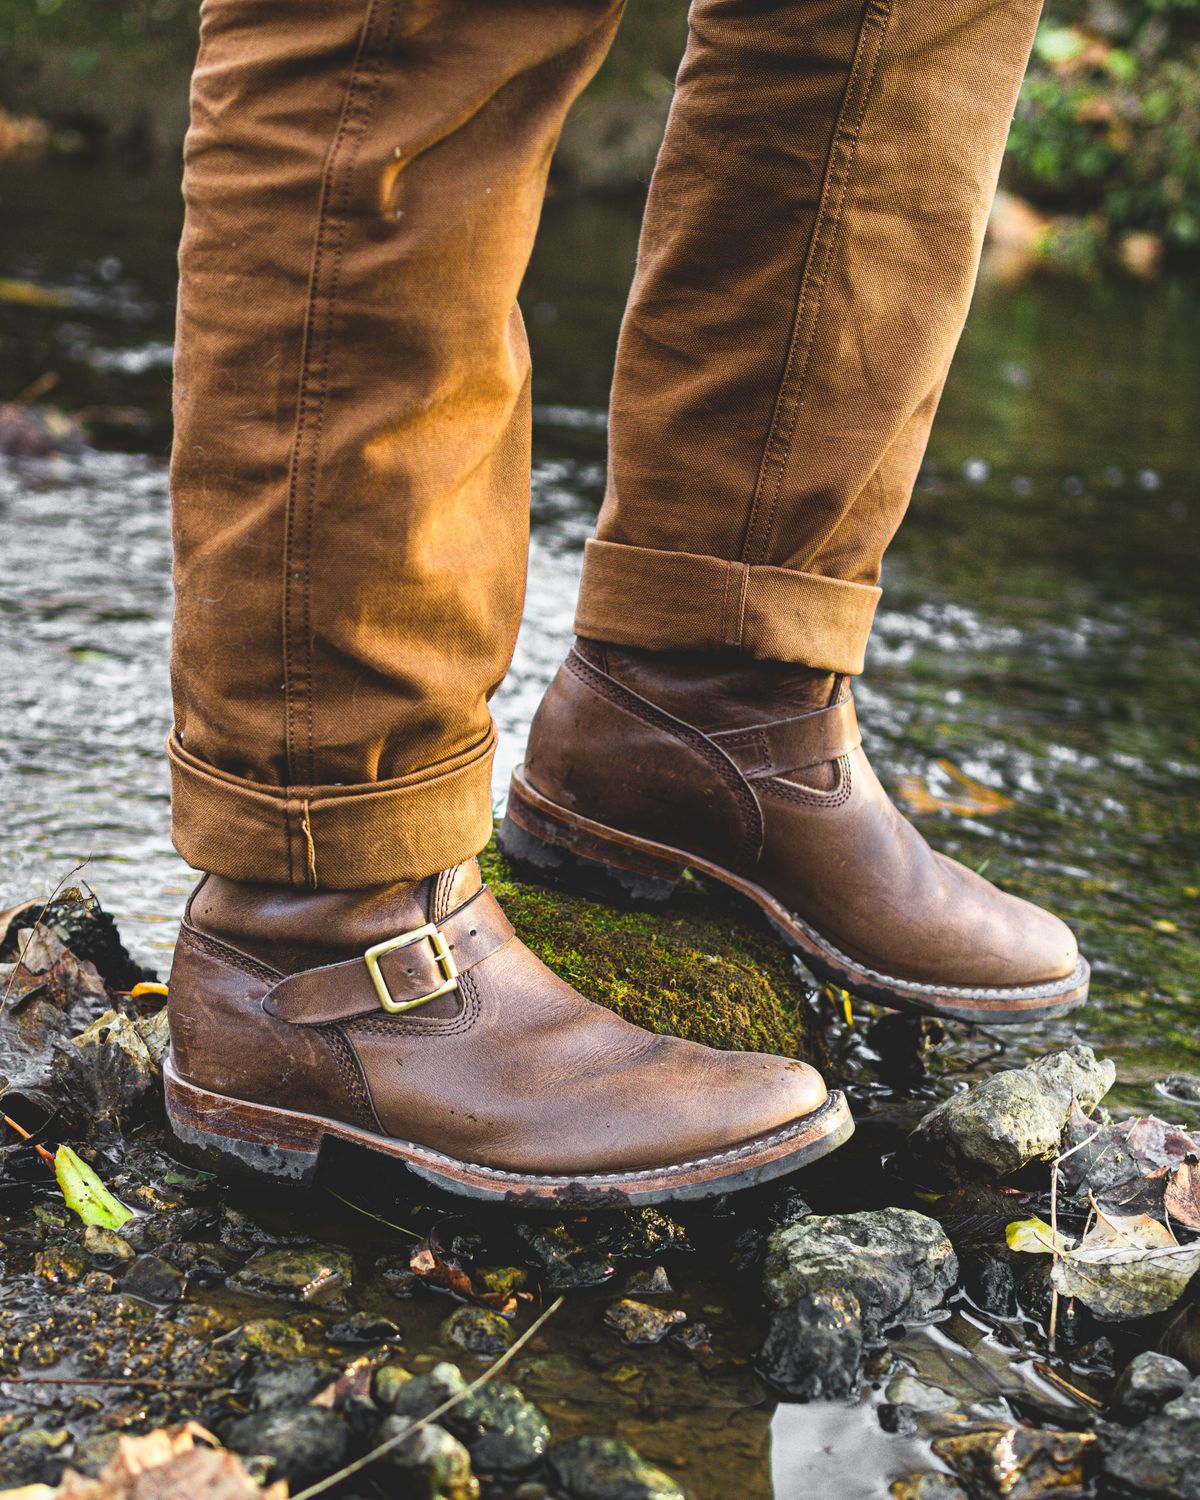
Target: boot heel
<point>233,1135</point>
<point>554,851</point>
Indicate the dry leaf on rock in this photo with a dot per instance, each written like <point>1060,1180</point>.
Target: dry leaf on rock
<point>1182,1197</point>
<point>183,1463</point>
<point>1125,1166</point>
<point>1126,1268</point>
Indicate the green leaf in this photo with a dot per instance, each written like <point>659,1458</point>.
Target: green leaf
<point>1058,43</point>
<point>1034,1236</point>
<point>85,1194</point>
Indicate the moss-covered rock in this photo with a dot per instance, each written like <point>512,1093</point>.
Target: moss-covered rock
<point>696,969</point>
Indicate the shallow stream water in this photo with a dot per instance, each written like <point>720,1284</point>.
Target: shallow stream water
<point>1038,632</point>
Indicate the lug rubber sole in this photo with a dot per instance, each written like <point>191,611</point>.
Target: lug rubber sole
<point>234,1134</point>
<point>552,844</point>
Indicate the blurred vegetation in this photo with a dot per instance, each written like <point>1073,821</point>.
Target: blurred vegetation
<point>1105,144</point>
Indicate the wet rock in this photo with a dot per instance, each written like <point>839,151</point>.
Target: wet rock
<point>1013,1118</point>
<point>1146,1385</point>
<point>400,1281</point>
<point>201,1261</point>
<point>112,1069</point>
<point>643,1233</point>
<point>153,1279</point>
<point>505,1435</point>
<point>600,1468</point>
<point>814,1347</point>
<point>927,1487</point>
<point>1020,1463</point>
<point>268,1336</point>
<point>431,1464</point>
<point>652,1283</point>
<point>478,1330</point>
<point>315,1275</point>
<point>897,1263</point>
<point>500,1281</point>
<point>51,997</point>
<point>1157,1459</point>
<point>991,1280</point>
<point>386,1384</point>
<point>364,1328</point>
<point>304,1445</point>
<point>641,1322</point>
<point>899,1421</point>
<point>566,1265</point>
<point>289,1383</point>
<point>61,1267</point>
<point>105,1246</point>
<point>424,1393</point>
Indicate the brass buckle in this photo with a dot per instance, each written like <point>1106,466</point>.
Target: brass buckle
<point>442,957</point>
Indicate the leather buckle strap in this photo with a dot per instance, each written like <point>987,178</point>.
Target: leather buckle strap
<point>794,744</point>
<point>441,956</point>
<point>400,974</point>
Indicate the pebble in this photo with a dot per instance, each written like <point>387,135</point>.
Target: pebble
<point>152,1279</point>
<point>430,1464</point>
<point>305,1444</point>
<point>1158,1459</point>
<point>106,1246</point>
<point>315,1275</point>
<point>814,1347</point>
<point>1020,1463</point>
<point>505,1435</point>
<point>478,1330</point>
<point>1145,1387</point>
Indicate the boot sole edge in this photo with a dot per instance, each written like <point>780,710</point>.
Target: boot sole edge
<point>264,1140</point>
<point>565,838</point>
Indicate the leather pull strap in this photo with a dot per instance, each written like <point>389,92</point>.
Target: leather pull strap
<point>342,991</point>
<point>794,744</point>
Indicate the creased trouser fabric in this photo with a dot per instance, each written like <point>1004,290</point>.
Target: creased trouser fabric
<point>350,473</point>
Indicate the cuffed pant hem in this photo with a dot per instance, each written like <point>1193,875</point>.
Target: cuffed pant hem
<point>332,837</point>
<point>680,601</point>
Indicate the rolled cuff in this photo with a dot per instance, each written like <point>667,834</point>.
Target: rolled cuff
<point>332,837</point>
<point>680,601</point>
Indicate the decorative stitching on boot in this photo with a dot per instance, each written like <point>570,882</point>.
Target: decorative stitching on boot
<point>191,937</point>
<point>811,796</point>
<point>354,1081</point>
<point>641,708</point>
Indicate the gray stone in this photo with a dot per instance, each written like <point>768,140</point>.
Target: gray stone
<point>423,1393</point>
<point>814,1346</point>
<point>599,1468</point>
<point>152,1279</point>
<point>1146,1385</point>
<point>642,1322</point>
<point>431,1464</point>
<point>1014,1118</point>
<point>897,1263</point>
<point>1159,1459</point>
<point>907,1390</point>
<point>505,1435</point>
<point>304,1445</point>
<point>106,1246</point>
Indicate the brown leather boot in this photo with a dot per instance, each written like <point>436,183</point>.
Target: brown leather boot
<point>410,1020</point>
<point>641,765</point>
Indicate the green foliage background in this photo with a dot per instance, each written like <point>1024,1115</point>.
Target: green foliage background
<point>1107,131</point>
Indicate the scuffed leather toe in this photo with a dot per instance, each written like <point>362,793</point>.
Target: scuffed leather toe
<point>756,1093</point>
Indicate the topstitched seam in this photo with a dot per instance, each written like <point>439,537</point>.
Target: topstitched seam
<point>331,232</point>
<point>812,281</point>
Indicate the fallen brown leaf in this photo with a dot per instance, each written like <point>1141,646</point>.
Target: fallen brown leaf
<point>184,1463</point>
<point>428,1262</point>
<point>1182,1198</point>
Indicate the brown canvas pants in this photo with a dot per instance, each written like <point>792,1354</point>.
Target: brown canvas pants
<point>351,468</point>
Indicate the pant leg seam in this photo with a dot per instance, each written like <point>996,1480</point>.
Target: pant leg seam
<point>812,282</point>
<point>361,89</point>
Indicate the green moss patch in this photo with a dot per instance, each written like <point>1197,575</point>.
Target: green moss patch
<point>695,969</point>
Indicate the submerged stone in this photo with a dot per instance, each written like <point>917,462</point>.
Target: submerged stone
<point>423,1394</point>
<point>1159,1459</point>
<point>600,1468</point>
<point>431,1464</point>
<point>1013,1118</point>
<point>505,1435</point>
<point>478,1330</point>
<point>641,1322</point>
<point>318,1275</point>
<point>152,1279</point>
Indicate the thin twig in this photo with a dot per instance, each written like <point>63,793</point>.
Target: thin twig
<point>379,1219</point>
<point>1052,1332</point>
<point>25,1136</point>
<point>122,1380</point>
<point>394,1442</point>
<point>1047,1373</point>
<point>12,978</point>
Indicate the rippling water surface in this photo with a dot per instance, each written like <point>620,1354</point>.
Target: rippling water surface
<point>1038,629</point>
